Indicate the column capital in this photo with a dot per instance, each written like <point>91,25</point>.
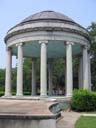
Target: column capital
<point>85,46</point>
<point>43,41</point>
<point>19,44</point>
<point>69,43</point>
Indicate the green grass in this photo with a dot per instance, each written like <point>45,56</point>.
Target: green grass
<point>86,122</point>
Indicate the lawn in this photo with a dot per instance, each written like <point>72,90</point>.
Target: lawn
<point>86,122</point>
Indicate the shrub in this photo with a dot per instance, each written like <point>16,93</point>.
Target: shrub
<point>14,93</point>
<point>27,93</point>
<point>1,93</point>
<point>83,100</point>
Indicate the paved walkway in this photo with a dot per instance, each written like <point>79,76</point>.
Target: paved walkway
<point>68,120</point>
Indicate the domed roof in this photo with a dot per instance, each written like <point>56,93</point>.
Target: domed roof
<point>47,15</point>
<point>46,21</point>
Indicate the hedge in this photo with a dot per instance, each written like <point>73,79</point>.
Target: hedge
<point>83,100</point>
<point>14,93</point>
<point>1,93</point>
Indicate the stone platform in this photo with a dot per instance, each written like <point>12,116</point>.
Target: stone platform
<point>20,113</point>
<point>64,101</point>
<point>27,107</point>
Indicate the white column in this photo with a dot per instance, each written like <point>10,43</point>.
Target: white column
<point>65,89</point>
<point>69,72</point>
<point>89,71</point>
<point>85,69</point>
<point>50,77</point>
<point>20,70</point>
<point>33,78</point>
<point>80,73</point>
<point>43,72</point>
<point>8,72</point>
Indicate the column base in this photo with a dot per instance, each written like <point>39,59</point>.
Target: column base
<point>68,95</point>
<point>43,96</point>
<point>7,95</point>
<point>33,94</point>
<point>19,95</point>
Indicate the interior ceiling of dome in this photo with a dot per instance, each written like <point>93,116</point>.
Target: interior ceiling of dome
<point>54,49</point>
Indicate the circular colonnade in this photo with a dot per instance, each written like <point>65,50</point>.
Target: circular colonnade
<point>47,35</point>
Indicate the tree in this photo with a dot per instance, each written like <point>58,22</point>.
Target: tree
<point>58,72</point>
<point>27,67</point>
<point>14,78</point>
<point>27,73</point>
<point>92,33</point>
<point>2,79</point>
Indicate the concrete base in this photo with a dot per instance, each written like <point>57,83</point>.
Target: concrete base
<point>50,98</point>
<point>64,101</point>
<point>26,123</point>
<point>28,113</point>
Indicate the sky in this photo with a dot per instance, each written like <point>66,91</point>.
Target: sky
<point>14,11</point>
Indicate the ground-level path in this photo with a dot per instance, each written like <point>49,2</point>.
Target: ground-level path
<point>67,120</point>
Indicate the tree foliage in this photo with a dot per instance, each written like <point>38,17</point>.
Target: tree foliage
<point>2,79</point>
<point>92,33</point>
